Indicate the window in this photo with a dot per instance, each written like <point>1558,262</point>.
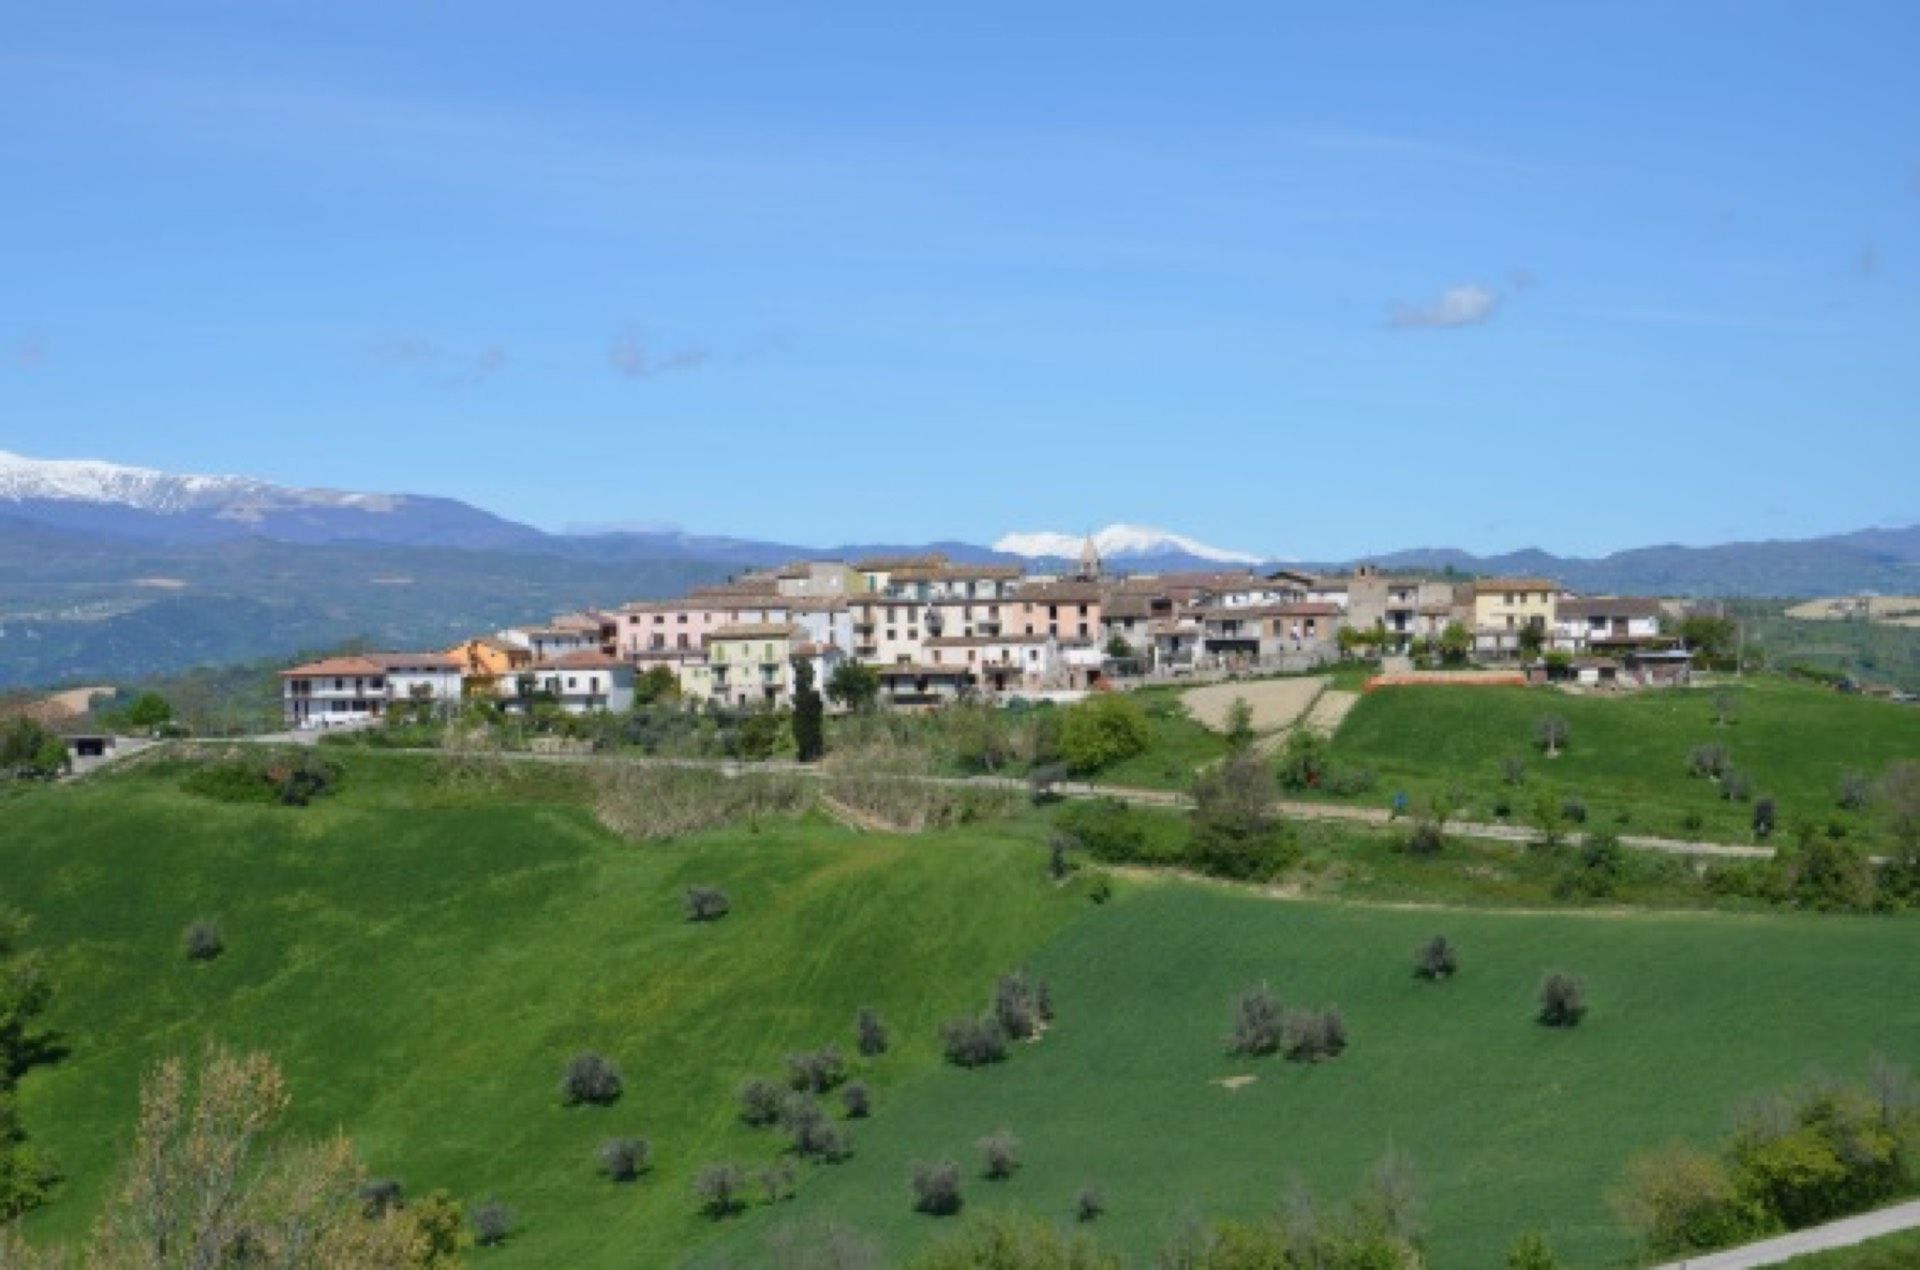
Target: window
<point>1083,628</point>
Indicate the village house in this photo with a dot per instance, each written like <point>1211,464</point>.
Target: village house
<point>1504,609</point>
<point>358,688</point>
<point>1064,610</point>
<point>1406,609</point>
<point>1000,663</point>
<point>584,682</point>
<point>925,684</point>
<point>544,643</point>
<point>1606,623</point>
<point>1268,632</point>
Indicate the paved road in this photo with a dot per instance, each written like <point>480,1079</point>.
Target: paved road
<point>1840,1234</point>
<point>1374,816</point>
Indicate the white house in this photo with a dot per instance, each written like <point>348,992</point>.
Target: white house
<point>358,688</point>
<point>1605,622</point>
<point>580,682</point>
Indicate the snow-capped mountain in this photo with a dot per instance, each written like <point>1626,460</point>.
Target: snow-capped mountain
<point>1130,542</point>
<point>113,498</point>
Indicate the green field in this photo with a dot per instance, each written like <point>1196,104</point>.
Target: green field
<point>1892,1252</point>
<point>1629,753</point>
<point>423,958</point>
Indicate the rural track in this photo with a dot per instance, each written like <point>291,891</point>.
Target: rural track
<point>1840,1234</point>
<point>1374,817</point>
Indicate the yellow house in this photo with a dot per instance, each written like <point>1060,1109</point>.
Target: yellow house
<point>483,661</point>
<point>752,662</point>
<point>1505,607</point>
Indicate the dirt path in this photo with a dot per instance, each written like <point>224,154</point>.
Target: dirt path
<point>1839,1234</point>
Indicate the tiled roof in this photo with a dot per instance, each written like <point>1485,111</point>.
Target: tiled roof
<point>1515,584</point>
<point>1610,606</point>
<point>375,664</point>
<point>757,630</point>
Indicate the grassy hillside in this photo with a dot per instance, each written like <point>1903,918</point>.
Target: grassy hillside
<point>1892,1252</point>
<point>423,957</point>
<point>1630,753</point>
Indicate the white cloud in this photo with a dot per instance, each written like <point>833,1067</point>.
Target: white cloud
<point>1468,304</point>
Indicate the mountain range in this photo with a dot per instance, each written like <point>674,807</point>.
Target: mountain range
<point>114,571</point>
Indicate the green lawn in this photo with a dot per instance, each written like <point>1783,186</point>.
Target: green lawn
<point>1629,753</point>
<point>1893,1252</point>
<point>423,959</point>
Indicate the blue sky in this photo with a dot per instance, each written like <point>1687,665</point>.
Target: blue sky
<point>1284,277</point>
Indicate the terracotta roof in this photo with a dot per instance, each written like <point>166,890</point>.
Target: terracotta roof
<point>1059,593</point>
<point>1515,584</point>
<point>1127,606</point>
<point>375,664</point>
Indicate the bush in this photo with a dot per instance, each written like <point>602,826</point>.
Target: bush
<point>858,1100</point>
<point>1436,959</point>
<point>1089,1204</point>
<point>1763,819</point>
<point>1563,1000</point>
<point>1257,1020</point>
<point>1313,1036</point>
<point>1233,831</point>
<point>1710,761</point>
<point>1513,770</point>
<point>1103,730</point>
<point>760,1102</point>
<point>1856,791</point>
<point>1736,786</point>
<point>813,1135</point>
<point>1022,1005</point>
<point>999,1154</point>
<point>623,1159</point>
<point>380,1196</point>
<point>1106,829</point>
<point>292,777</point>
<point>973,1042</point>
<point>1595,871</point>
<point>29,750</point>
<point>1827,875</point>
<point>1532,1252</point>
<point>589,1078</point>
<point>1303,760</point>
<point>718,1188</point>
<point>202,941</point>
<point>1015,1241</point>
<point>816,1071</point>
<point>777,1181</point>
<point>870,1034</point>
<point>1680,1200</point>
<point>1425,838</point>
<point>492,1222</point>
<point>1574,810</point>
<point>707,904</point>
<point>935,1187</point>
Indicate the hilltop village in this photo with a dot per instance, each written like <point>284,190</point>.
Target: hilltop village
<point>932,630</point>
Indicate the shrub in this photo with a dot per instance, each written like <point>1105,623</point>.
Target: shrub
<point>1763,819</point>
<point>589,1078</point>
<point>816,1071</point>
<point>1513,770</point>
<point>777,1181</point>
<point>1233,831</point>
<point>813,1135</point>
<point>1103,730</point>
<point>1532,1252</point>
<point>935,1187</point>
<point>292,776</point>
<point>1680,1199</point>
<point>707,904</point>
<point>1089,1204</point>
<point>1595,871</point>
<point>1828,875</point>
<point>999,1154</point>
<point>1736,786</point>
<point>760,1103</point>
<point>1563,1000</point>
<point>718,1188</point>
<point>1856,791</point>
<point>202,941</point>
<point>1436,959</point>
<point>1256,1022</point>
<point>1313,1036</point>
<point>858,1100</point>
<point>30,750</point>
<point>1348,781</point>
<point>1303,760</point>
<point>1710,760</point>
<point>870,1034</point>
<point>1101,891</point>
<point>1574,810</point>
<point>623,1159</point>
<point>379,1196</point>
<point>492,1222</point>
<point>1021,1005</point>
<point>1106,829</point>
<point>1016,1241</point>
<point>973,1042</point>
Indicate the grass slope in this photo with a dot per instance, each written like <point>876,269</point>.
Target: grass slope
<point>423,963</point>
<point>423,959</point>
<point>1890,1252</point>
<point>1631,752</point>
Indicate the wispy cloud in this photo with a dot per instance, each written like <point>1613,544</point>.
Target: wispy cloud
<point>452,368</point>
<point>630,357</point>
<point>1468,304</point>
